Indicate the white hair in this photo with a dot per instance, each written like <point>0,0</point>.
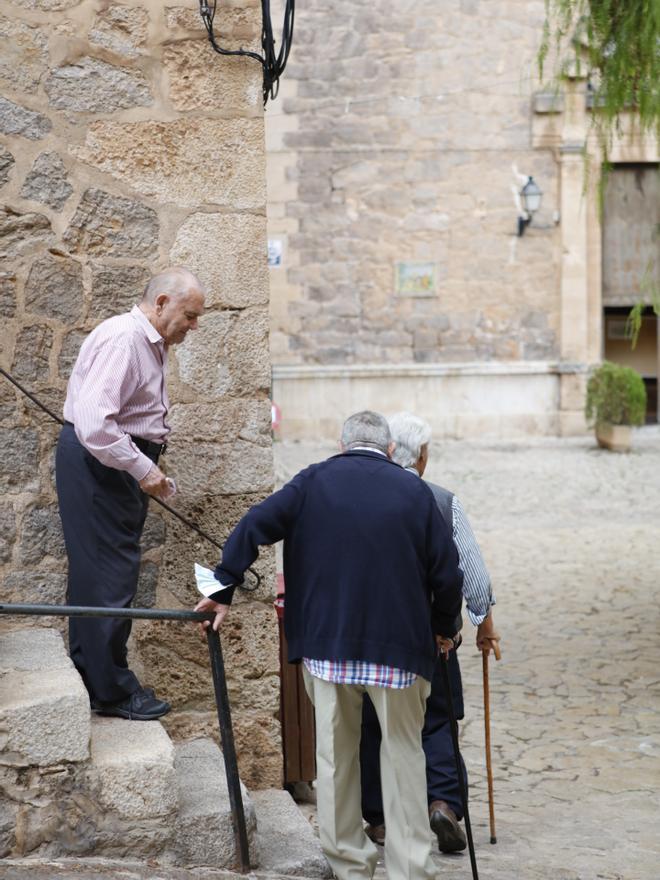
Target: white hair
<point>366,428</point>
<point>410,433</point>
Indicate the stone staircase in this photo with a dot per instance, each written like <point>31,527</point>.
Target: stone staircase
<point>74,784</point>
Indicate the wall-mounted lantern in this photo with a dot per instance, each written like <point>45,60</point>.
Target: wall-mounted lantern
<point>530,198</point>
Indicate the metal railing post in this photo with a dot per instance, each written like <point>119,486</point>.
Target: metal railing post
<point>228,748</point>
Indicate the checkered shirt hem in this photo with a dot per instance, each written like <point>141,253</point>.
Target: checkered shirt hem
<point>359,672</point>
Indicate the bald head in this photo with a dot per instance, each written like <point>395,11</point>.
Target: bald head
<point>175,281</point>
<point>173,301</point>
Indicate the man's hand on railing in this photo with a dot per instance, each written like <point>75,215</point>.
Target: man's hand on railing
<point>220,614</point>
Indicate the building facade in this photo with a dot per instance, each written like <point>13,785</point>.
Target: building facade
<point>396,156</point>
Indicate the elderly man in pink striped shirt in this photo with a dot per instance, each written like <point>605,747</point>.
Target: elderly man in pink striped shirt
<point>107,466</point>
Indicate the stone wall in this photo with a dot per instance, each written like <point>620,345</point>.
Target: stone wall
<point>403,150</point>
<point>126,144</point>
<point>395,141</point>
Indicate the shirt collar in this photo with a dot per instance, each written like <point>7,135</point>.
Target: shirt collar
<point>366,449</point>
<point>149,330</point>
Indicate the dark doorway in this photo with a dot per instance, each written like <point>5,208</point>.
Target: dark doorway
<point>631,271</point>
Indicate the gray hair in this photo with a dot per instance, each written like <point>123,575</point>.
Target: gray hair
<point>366,428</point>
<point>410,433</point>
<point>175,281</point>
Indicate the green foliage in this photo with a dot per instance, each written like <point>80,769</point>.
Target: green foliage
<point>651,294</point>
<point>615,395</point>
<point>615,44</point>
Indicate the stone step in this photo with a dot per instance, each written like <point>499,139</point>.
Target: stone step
<point>203,832</point>
<point>285,840</point>
<point>132,780</point>
<point>44,707</point>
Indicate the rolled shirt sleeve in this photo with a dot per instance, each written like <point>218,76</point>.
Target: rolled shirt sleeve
<point>112,378</point>
<point>476,580</point>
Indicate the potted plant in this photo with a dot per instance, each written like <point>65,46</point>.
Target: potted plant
<point>616,401</point>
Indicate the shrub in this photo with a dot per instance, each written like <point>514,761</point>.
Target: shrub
<point>615,395</point>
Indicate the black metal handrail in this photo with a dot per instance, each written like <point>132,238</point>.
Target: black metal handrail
<point>219,687</point>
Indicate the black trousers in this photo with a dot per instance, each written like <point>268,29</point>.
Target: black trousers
<point>441,776</point>
<point>103,512</point>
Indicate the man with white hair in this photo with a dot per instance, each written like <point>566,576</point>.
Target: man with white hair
<point>371,577</point>
<point>412,436</point>
<point>106,467</point>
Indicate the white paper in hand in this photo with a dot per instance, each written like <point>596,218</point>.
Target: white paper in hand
<point>206,582</point>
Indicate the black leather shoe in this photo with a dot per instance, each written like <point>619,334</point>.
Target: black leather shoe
<point>142,705</point>
<point>446,828</point>
<point>376,833</point>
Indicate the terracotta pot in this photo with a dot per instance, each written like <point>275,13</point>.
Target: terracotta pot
<point>616,438</point>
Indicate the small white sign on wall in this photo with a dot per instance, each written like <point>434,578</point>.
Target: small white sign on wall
<point>274,252</point>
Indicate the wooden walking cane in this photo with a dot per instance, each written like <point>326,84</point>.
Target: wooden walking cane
<point>489,766</point>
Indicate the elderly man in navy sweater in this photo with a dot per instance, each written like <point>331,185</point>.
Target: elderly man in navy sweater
<point>373,592</point>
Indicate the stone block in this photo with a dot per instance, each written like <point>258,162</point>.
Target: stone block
<point>196,72</point>
<point>154,532</point>
<point>6,163</point>
<point>7,531</point>
<point>228,354</point>
<point>24,58</point>
<point>15,119</point>
<point>28,650</point>
<point>133,762</point>
<point>44,707</point>
<point>228,253</point>
<point>32,353</point>
<point>145,596</point>
<point>204,834</point>
<point>94,86</point>
<point>116,289</point>
<point>54,289</point>
<point>47,181</point>
<point>41,535</point>
<point>189,161</point>
<point>35,587</point>
<point>7,295</point>
<point>233,468</point>
<point>20,234</point>
<point>114,225</point>
<point>69,352</point>
<point>19,460</point>
<point>122,30</point>
<point>227,419</point>
<point>285,839</point>
<point>46,5</point>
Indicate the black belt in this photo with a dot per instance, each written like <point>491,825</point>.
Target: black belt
<point>148,447</point>
<point>151,450</point>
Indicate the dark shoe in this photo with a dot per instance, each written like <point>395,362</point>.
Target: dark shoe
<point>376,833</point>
<point>446,828</point>
<point>143,705</point>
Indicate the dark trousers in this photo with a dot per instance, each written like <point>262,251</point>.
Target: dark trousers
<point>441,776</point>
<point>103,512</point>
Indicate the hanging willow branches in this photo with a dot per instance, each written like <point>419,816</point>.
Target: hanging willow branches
<point>615,44</point>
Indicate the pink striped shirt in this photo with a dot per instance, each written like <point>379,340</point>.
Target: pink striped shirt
<point>117,388</point>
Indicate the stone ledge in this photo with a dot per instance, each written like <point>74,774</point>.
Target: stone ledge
<point>378,371</point>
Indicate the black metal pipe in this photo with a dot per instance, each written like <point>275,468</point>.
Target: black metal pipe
<point>228,749</point>
<point>93,611</point>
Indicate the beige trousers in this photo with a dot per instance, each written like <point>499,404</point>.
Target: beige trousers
<point>351,854</point>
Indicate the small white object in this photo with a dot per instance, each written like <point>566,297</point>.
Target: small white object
<point>207,584</point>
<point>171,487</point>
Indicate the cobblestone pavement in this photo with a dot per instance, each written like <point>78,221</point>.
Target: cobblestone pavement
<point>571,535</point>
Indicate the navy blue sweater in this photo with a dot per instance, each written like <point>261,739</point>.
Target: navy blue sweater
<point>370,567</point>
